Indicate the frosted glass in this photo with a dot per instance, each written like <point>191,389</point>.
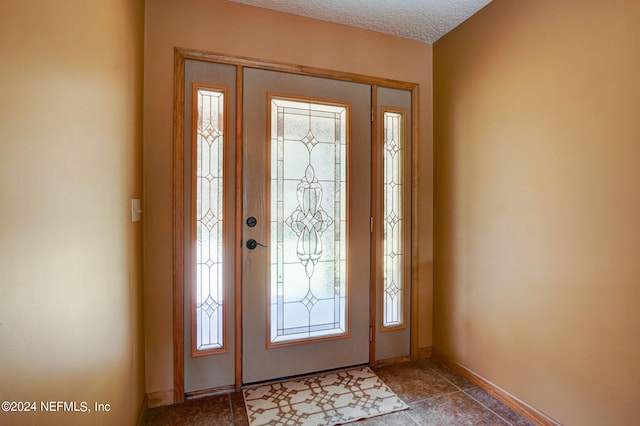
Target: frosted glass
<point>308,214</point>
<point>209,303</point>
<point>393,209</point>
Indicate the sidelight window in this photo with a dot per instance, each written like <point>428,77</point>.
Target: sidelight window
<point>394,293</point>
<point>208,325</point>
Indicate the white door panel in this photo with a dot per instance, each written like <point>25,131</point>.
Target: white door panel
<point>316,317</point>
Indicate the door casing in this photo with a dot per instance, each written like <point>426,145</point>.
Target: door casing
<point>182,54</point>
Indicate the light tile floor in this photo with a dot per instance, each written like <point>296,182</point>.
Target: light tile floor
<point>435,395</point>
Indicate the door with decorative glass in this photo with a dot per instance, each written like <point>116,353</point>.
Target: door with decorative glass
<point>392,229</point>
<point>325,220</point>
<point>209,219</point>
<point>306,224</point>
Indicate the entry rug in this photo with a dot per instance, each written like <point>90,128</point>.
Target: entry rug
<point>329,399</point>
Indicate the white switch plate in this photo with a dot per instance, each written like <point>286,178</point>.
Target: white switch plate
<point>136,211</point>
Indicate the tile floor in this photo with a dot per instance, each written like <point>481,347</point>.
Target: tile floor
<point>435,395</point>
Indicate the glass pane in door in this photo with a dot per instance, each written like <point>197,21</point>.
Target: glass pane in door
<point>393,226</point>
<point>308,216</point>
<point>209,317</point>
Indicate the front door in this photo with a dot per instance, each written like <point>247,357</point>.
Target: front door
<point>306,224</point>
<point>324,204</point>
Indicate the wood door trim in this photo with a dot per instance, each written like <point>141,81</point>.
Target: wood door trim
<point>415,152</point>
<point>178,228</point>
<point>373,274</point>
<point>293,69</point>
<point>238,232</point>
<point>182,54</point>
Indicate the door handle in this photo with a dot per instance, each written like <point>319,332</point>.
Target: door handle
<point>252,244</point>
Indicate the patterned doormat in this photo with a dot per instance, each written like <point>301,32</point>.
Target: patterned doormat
<point>329,399</point>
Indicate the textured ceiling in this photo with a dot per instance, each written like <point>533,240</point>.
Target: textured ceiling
<point>423,20</point>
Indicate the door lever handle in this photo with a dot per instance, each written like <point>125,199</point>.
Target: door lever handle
<point>252,244</point>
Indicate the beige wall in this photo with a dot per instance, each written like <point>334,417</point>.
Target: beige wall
<point>537,171</point>
<point>229,28</point>
<point>70,160</point>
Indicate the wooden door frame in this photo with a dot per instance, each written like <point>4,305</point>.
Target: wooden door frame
<point>182,54</point>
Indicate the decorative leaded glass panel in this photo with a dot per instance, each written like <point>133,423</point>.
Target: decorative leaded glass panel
<point>393,184</point>
<point>308,220</point>
<point>209,178</point>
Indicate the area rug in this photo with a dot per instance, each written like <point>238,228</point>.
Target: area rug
<point>328,399</point>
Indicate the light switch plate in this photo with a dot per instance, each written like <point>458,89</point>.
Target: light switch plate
<point>136,211</point>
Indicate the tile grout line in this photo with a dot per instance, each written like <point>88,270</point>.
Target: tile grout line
<point>453,393</point>
<point>433,397</point>
<point>233,417</point>
<point>459,389</point>
<point>499,416</point>
<point>443,377</point>
<point>465,393</point>
<point>411,417</point>
<point>406,412</point>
